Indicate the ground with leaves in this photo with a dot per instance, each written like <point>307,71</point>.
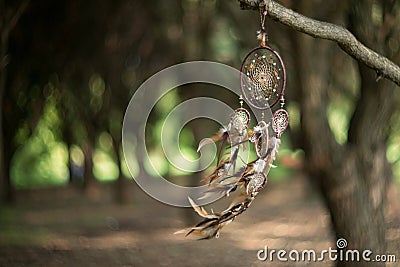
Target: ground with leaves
<point>60,227</point>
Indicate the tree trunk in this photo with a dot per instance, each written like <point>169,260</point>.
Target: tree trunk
<point>4,177</point>
<point>8,20</point>
<point>121,193</point>
<point>67,138</point>
<point>5,183</point>
<point>353,178</point>
<point>7,191</point>
<point>356,184</point>
<point>89,181</point>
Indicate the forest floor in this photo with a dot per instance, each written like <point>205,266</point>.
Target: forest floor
<point>60,227</point>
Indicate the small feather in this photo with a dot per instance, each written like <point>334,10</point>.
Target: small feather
<point>204,142</point>
<point>182,231</point>
<point>200,210</point>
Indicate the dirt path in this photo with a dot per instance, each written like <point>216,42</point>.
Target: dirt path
<point>61,228</point>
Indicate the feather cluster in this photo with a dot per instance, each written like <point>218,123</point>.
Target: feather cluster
<point>248,181</point>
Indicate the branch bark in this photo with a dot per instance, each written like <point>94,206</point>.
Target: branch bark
<point>323,30</point>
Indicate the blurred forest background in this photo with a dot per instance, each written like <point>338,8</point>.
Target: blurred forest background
<point>68,70</point>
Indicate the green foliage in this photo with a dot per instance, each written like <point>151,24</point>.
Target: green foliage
<point>104,166</point>
<point>223,40</point>
<point>41,160</point>
<point>393,148</point>
<point>97,88</point>
<point>339,113</point>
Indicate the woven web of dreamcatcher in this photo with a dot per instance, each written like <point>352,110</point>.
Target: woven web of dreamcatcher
<point>262,78</point>
<point>240,119</point>
<point>257,181</point>
<point>280,120</point>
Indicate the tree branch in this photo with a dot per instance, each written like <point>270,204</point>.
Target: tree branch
<point>6,26</point>
<point>318,29</point>
<point>9,25</point>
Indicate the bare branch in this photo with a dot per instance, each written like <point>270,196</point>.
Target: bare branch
<point>9,25</point>
<point>318,29</point>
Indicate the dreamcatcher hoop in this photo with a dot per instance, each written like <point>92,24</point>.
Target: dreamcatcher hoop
<point>257,182</point>
<point>261,141</point>
<point>280,121</point>
<point>240,119</point>
<point>262,77</point>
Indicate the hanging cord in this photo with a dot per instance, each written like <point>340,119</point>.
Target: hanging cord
<point>262,34</point>
<point>263,14</point>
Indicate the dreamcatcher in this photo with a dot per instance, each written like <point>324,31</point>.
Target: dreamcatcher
<point>262,81</point>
